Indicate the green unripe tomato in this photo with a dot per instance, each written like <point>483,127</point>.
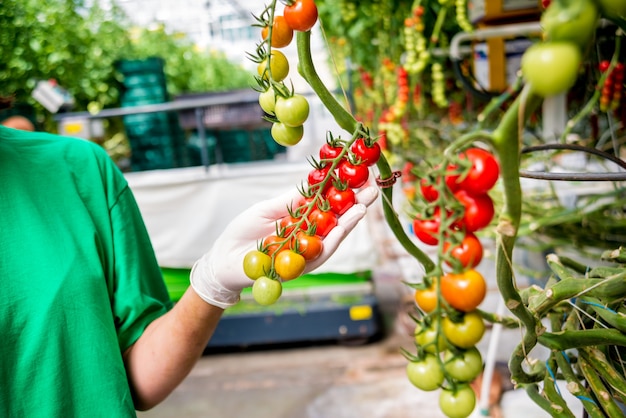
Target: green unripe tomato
<point>551,67</point>
<point>576,23</point>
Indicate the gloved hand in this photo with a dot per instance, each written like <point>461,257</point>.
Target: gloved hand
<point>218,276</point>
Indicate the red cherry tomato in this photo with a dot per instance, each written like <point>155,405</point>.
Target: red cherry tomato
<point>367,154</point>
<point>353,175</point>
<point>469,252</point>
<point>324,221</point>
<point>426,229</point>
<point>301,15</point>
<point>340,200</point>
<point>288,224</point>
<point>429,190</point>
<point>484,172</point>
<point>328,151</point>
<point>317,175</point>
<point>479,210</point>
<point>309,246</point>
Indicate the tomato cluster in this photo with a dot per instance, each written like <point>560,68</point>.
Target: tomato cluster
<point>285,109</point>
<point>456,204</point>
<point>465,189</point>
<point>611,94</point>
<point>330,192</point>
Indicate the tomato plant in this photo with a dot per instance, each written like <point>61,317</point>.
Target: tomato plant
<point>266,291</point>
<point>324,221</point>
<point>463,291</point>
<point>425,373</point>
<point>429,190</point>
<point>256,264</point>
<point>457,402</point>
<point>366,153</point>
<point>483,173</point>
<point>286,135</point>
<point>289,264</point>
<point>310,246</point>
<point>292,111</point>
<point>352,174</point>
<point>301,15</point>
<point>282,33</point>
<point>463,365</point>
<point>465,333</point>
<point>468,253</point>
<point>340,198</point>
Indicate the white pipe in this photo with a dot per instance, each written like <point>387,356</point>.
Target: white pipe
<point>490,363</point>
<point>516,29</point>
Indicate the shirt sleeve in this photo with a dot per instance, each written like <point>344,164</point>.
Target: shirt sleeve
<point>139,291</point>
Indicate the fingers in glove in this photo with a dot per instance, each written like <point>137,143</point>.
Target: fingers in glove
<point>367,196</point>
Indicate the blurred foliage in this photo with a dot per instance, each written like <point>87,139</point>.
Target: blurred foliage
<point>77,43</point>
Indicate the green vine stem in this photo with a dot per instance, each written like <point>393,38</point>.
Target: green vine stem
<point>506,140</point>
<point>603,395</point>
<point>346,121</point>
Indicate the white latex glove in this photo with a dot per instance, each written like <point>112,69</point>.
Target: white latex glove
<point>218,276</point>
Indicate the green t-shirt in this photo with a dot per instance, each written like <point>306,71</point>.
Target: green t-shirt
<point>79,281</point>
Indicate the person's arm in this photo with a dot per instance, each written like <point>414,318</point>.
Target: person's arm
<point>169,348</point>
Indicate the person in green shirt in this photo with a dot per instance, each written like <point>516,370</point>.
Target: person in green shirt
<point>87,325</point>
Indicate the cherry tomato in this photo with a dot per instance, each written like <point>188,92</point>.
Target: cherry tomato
<point>318,175</point>
<point>279,67</point>
<point>426,299</point>
<point>466,333</point>
<point>288,224</point>
<point>551,68</point>
<point>430,338</point>
<point>282,33</point>
<point>570,24</point>
<point>329,151</point>
<point>427,229</point>
<point>464,291</point>
<point>425,373</point>
<point>469,252</point>
<point>301,15</point>
<point>483,173</point>
<point>289,264</point>
<point>309,246</point>
<point>458,402</point>
<point>286,135</point>
<point>267,101</point>
<point>324,221</point>
<point>479,210</point>
<point>353,175</point>
<point>340,200</point>
<point>272,243</point>
<point>429,191</point>
<point>256,264</point>
<point>367,154</point>
<point>293,111</point>
<point>266,291</point>
<point>464,365</point>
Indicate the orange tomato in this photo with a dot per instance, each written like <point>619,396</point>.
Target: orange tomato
<point>464,291</point>
<point>426,299</point>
